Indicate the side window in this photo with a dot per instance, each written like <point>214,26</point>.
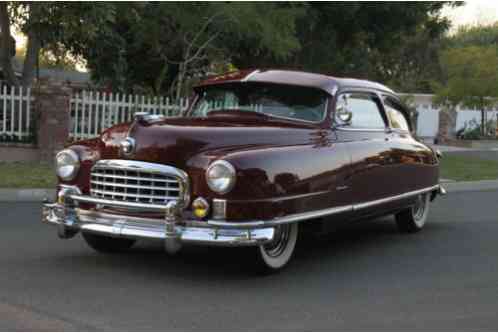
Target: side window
<point>364,108</point>
<point>395,115</point>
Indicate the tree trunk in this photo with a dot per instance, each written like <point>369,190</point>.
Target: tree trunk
<point>32,51</point>
<point>158,82</point>
<point>447,123</point>
<point>179,83</point>
<point>482,123</point>
<point>6,47</point>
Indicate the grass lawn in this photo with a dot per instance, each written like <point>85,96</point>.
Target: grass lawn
<point>36,175</point>
<point>462,168</point>
<point>26,175</point>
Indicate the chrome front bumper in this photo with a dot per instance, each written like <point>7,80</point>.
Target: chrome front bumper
<point>172,230</point>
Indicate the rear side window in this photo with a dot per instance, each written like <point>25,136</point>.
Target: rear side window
<point>364,108</point>
<point>396,117</point>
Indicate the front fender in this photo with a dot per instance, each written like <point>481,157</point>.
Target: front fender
<point>275,181</point>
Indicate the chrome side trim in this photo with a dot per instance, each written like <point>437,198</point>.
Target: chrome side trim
<point>281,220</point>
<point>288,197</point>
<point>260,223</point>
<point>394,198</point>
<point>318,213</point>
<point>357,129</point>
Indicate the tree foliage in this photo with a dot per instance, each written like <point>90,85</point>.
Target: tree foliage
<point>469,68</point>
<point>157,45</point>
<point>52,26</point>
<point>151,43</point>
<point>166,46</point>
<point>480,35</point>
<point>471,78</point>
<point>388,42</point>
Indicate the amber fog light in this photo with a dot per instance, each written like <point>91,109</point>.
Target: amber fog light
<point>200,207</point>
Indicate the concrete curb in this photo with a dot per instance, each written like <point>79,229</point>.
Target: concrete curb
<point>482,185</point>
<point>26,194</point>
<point>39,194</point>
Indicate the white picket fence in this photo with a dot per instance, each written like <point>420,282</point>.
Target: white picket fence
<point>92,112</point>
<point>15,113</point>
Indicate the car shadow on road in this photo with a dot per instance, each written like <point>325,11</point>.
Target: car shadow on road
<point>348,243</point>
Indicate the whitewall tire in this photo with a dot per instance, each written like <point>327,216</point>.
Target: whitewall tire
<point>276,254</point>
<point>414,218</point>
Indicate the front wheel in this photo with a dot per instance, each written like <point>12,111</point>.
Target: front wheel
<point>413,219</point>
<point>107,244</point>
<point>276,254</point>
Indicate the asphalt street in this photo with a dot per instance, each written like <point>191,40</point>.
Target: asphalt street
<point>365,276</point>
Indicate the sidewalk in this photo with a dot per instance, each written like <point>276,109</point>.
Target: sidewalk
<point>26,194</point>
<point>39,194</point>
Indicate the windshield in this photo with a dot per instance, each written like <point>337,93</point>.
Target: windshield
<point>275,100</point>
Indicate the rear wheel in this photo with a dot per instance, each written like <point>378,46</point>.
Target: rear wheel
<point>276,254</point>
<point>413,219</point>
<point>107,244</point>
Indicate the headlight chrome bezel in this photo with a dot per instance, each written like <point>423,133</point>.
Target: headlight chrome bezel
<point>229,168</point>
<point>76,166</point>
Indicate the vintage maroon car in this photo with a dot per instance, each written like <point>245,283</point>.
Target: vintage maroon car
<point>257,153</point>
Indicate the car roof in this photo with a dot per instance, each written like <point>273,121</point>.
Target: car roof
<point>329,84</point>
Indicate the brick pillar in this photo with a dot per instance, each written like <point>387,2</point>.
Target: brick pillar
<point>52,103</point>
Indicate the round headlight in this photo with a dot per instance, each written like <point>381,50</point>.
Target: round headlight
<point>220,177</point>
<point>67,164</point>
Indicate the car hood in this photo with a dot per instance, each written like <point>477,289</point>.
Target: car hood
<point>176,141</point>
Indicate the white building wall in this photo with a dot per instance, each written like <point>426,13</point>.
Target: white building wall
<point>428,115</point>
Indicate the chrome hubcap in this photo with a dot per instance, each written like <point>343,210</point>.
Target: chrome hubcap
<point>279,243</point>
<point>418,209</point>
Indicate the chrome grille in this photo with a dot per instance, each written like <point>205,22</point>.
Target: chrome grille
<point>133,181</point>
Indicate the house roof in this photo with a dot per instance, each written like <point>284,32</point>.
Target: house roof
<point>62,75</point>
<point>326,83</point>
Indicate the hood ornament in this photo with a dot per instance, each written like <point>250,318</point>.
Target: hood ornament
<point>147,117</point>
<point>127,146</point>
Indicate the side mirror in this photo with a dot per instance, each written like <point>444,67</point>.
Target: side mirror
<point>343,116</point>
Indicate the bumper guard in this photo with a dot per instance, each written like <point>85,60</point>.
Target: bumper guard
<point>173,230</point>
